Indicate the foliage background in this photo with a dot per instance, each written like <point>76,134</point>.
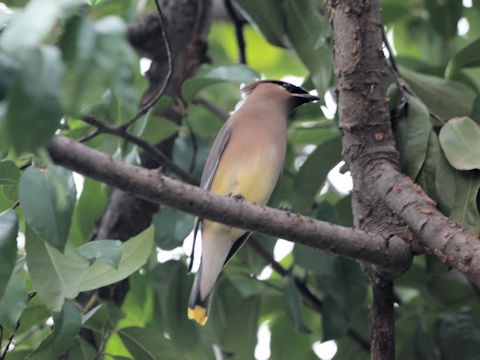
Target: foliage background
<point>65,59</point>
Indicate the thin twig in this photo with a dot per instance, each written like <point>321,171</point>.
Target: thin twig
<point>316,303</point>
<point>194,145</point>
<point>24,166</point>
<point>4,354</point>
<point>145,145</point>
<point>89,136</point>
<point>404,87</point>
<point>143,110</point>
<point>214,109</point>
<point>238,22</point>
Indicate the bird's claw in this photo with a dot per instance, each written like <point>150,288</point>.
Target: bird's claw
<point>287,208</point>
<point>239,197</point>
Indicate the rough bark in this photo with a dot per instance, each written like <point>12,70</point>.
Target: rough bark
<point>161,189</point>
<point>367,143</point>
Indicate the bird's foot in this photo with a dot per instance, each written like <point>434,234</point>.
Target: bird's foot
<point>287,208</point>
<point>238,197</point>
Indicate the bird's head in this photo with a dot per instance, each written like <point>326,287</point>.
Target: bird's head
<point>282,91</point>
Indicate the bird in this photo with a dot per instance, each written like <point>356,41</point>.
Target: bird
<point>245,161</point>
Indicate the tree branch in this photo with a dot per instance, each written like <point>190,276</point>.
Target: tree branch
<point>145,145</point>
<point>315,302</point>
<point>156,187</point>
<point>436,234</point>
<point>367,142</point>
<point>238,23</point>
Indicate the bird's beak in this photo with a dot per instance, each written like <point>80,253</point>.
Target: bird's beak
<point>307,97</point>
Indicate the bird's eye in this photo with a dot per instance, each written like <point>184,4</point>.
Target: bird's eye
<point>289,87</point>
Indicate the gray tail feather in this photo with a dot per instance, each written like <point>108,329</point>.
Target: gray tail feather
<point>195,297</point>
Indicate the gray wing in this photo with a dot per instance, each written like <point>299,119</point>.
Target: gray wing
<point>215,155</point>
<point>211,165</point>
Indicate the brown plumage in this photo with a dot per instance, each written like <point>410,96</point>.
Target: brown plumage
<point>246,159</point>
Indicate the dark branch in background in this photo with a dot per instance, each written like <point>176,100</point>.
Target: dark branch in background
<point>145,145</point>
<point>144,109</point>
<point>238,23</point>
<point>404,87</point>
<point>161,189</point>
<point>315,302</point>
<point>194,145</point>
<point>213,108</point>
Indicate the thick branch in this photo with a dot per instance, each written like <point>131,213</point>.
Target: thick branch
<point>367,142</point>
<point>448,240</point>
<point>158,188</point>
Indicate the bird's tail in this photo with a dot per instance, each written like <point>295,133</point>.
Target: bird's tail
<point>199,308</point>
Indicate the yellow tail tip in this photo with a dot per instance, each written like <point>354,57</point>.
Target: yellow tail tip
<point>199,314</point>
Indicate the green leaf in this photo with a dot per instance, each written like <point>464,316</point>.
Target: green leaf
<point>267,17</point>
<point>109,251</point>
<point>9,173</point>
<point>334,320</point>
<point>82,350</point>
<point>459,139</point>
<point>312,259</point>
<point>33,315</point>
<point>411,138</point>
<point>445,182</point>
<point>173,287</point>
<point>13,302</point>
<point>230,308</point>
<point>308,29</point>
<point>171,227</point>
<point>293,304</point>
<point>67,324</point>
<point>8,247</point>
<point>55,276</point>
<point>465,209</point>
<point>426,178</point>
<point>475,115</point>
<point>135,253</point>
<point>425,349</point>
<point>30,26</point>
<point>444,14</point>
<point>48,199</point>
<point>467,57</point>
<point>392,12</point>
<point>9,176</point>
<point>234,73</point>
<point>8,70</point>
<point>36,84</point>
<point>434,92</point>
<point>146,344</point>
<point>89,207</point>
<point>457,335</point>
<point>314,171</point>
<point>98,58</point>
<point>286,344</point>
<point>346,283</point>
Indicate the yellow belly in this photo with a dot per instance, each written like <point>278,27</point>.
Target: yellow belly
<point>254,178</point>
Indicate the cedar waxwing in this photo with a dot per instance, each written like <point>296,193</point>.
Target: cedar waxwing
<point>246,161</point>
